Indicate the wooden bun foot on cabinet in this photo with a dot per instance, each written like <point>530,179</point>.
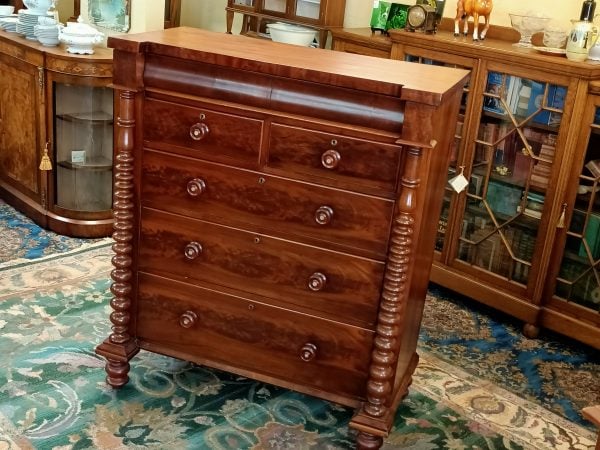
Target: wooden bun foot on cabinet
<point>531,331</point>
<point>366,441</point>
<point>255,231</point>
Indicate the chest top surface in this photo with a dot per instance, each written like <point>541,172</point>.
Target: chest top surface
<point>411,82</point>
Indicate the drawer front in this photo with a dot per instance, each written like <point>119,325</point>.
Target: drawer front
<point>334,159</point>
<point>263,203</point>
<point>205,325</point>
<point>343,287</point>
<point>202,132</point>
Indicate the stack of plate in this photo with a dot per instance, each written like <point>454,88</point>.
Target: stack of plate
<point>47,34</point>
<point>27,20</point>
<point>9,24</point>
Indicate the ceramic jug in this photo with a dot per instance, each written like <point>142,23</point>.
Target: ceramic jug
<point>581,39</point>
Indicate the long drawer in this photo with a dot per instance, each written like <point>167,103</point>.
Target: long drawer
<point>203,132</point>
<point>207,326</point>
<point>334,159</point>
<point>344,287</point>
<point>259,202</point>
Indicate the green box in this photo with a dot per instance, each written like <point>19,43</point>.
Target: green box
<point>397,16</point>
<point>379,15</point>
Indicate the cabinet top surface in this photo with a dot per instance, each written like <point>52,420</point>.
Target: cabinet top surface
<point>100,54</point>
<point>414,82</point>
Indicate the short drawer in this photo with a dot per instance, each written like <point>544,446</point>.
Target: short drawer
<point>335,159</point>
<point>202,132</point>
<point>207,326</point>
<point>321,282</point>
<point>265,203</point>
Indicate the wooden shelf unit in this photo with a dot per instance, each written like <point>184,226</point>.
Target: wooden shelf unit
<point>538,301</point>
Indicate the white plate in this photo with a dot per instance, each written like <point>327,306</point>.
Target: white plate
<point>551,51</point>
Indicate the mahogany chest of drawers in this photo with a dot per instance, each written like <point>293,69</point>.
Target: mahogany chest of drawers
<point>275,212</point>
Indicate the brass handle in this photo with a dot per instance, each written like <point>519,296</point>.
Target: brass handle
<point>199,131</point>
<point>192,250</point>
<point>195,187</point>
<point>317,281</point>
<point>330,159</point>
<point>308,352</point>
<point>188,319</point>
<point>323,215</point>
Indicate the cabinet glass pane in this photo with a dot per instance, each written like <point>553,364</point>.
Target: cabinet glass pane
<point>83,130</point>
<point>579,276</point>
<point>275,5</point>
<point>456,147</point>
<point>511,167</point>
<point>308,8</point>
<point>243,2</point>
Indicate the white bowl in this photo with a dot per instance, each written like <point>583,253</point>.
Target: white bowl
<point>6,10</point>
<point>291,34</point>
<point>38,5</point>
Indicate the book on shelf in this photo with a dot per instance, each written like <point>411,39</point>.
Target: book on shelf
<point>555,99</point>
<point>594,167</point>
<point>495,83</point>
<point>591,234</point>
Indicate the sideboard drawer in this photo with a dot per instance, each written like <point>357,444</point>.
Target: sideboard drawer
<point>206,326</point>
<point>345,288</point>
<point>265,203</point>
<point>333,158</point>
<point>202,132</point>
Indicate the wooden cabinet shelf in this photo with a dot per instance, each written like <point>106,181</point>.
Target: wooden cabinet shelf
<point>321,15</point>
<point>99,165</point>
<point>93,117</point>
<point>477,256</point>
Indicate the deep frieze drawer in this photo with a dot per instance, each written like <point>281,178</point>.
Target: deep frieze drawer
<point>321,282</point>
<point>265,203</point>
<point>208,326</point>
<point>202,132</point>
<point>334,159</point>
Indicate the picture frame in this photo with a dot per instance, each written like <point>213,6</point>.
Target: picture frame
<point>111,14</point>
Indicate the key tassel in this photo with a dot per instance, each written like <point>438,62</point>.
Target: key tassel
<point>45,163</point>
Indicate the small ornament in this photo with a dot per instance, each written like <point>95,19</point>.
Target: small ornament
<point>45,163</point>
<point>475,9</point>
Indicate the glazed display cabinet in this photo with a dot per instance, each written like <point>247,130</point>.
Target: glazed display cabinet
<point>524,235</point>
<point>56,149</point>
<point>318,14</point>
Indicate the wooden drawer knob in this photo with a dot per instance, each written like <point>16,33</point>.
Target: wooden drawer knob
<point>308,352</point>
<point>192,250</point>
<point>330,159</point>
<point>317,281</point>
<point>195,187</point>
<point>188,319</point>
<point>199,131</point>
<point>323,215</point>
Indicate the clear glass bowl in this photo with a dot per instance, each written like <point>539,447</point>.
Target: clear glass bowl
<point>527,25</point>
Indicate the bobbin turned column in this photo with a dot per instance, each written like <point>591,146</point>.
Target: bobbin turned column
<point>120,347</point>
<point>376,416</point>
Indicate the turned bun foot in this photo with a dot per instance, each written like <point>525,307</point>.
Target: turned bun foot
<point>117,373</point>
<point>366,441</point>
<point>531,331</point>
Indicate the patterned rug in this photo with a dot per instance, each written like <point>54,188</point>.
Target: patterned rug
<point>479,385</point>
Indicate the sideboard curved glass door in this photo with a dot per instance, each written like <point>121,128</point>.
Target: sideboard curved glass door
<point>83,130</point>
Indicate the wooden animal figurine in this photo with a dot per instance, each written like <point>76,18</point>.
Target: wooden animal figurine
<point>474,8</point>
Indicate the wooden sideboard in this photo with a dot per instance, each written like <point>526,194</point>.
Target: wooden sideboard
<point>277,223</point>
<point>41,88</point>
<point>524,236</point>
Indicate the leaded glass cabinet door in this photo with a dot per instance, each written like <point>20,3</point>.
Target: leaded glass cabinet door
<point>512,160</point>
<point>577,283</point>
<point>456,165</point>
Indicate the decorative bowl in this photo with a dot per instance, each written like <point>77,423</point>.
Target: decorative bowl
<point>39,6</point>
<point>527,25</point>
<point>6,10</point>
<point>291,34</point>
